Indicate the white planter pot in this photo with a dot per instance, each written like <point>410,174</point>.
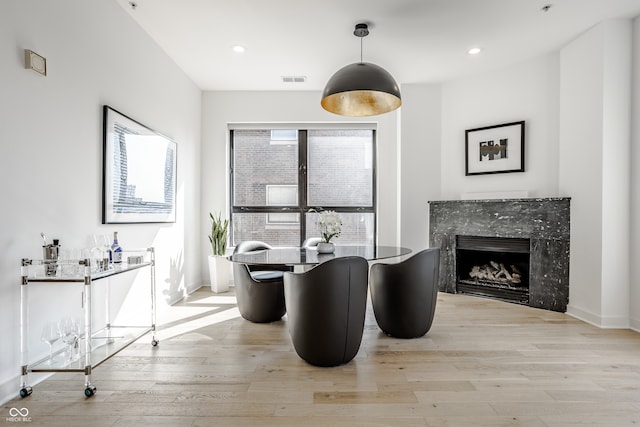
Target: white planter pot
<point>326,248</point>
<point>219,273</point>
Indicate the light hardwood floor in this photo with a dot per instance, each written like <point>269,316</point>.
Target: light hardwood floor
<point>483,363</point>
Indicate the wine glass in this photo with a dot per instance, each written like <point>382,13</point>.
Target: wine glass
<point>64,258</point>
<point>70,332</point>
<point>95,253</point>
<point>102,241</point>
<point>50,334</point>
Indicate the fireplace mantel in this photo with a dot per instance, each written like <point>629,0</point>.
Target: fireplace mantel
<point>545,221</point>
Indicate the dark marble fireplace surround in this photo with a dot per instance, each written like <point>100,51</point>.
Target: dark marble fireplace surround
<point>544,221</point>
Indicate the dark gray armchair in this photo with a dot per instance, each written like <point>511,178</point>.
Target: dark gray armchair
<point>404,295</point>
<point>326,310</point>
<point>311,242</point>
<point>259,290</point>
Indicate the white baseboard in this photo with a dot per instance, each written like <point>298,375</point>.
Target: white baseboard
<point>607,322</point>
<point>10,389</point>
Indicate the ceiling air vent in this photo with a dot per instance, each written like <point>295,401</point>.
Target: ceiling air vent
<point>294,79</point>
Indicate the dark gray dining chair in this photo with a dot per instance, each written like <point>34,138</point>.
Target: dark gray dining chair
<point>259,290</point>
<point>404,295</point>
<point>326,310</point>
<point>311,242</point>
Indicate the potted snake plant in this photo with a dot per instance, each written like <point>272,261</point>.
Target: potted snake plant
<point>219,266</point>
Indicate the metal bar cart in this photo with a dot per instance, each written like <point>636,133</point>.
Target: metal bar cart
<point>99,345</point>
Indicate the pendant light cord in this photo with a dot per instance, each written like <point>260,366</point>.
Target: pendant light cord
<point>361,31</point>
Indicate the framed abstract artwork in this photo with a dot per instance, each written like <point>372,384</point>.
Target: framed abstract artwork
<point>139,172</point>
<point>495,149</point>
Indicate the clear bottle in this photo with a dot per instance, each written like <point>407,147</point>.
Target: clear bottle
<point>116,250</point>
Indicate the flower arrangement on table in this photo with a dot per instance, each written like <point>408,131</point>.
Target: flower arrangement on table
<point>329,225</point>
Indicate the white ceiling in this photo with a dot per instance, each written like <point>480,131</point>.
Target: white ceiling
<point>417,41</point>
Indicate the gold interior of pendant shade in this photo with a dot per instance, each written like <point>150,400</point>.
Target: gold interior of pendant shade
<point>361,103</point>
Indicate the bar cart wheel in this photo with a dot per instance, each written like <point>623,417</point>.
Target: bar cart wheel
<point>155,342</point>
<point>26,391</point>
<point>90,391</point>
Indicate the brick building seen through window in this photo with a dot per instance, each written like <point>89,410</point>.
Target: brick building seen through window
<point>278,176</point>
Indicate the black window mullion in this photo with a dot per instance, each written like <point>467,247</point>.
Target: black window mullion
<point>302,182</point>
<point>374,177</point>
<point>231,186</point>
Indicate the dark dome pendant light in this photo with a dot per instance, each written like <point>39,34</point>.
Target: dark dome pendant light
<point>361,89</point>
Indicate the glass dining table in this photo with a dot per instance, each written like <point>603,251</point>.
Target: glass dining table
<point>294,256</point>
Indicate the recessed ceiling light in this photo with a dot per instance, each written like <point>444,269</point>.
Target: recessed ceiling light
<point>474,51</point>
<point>238,48</point>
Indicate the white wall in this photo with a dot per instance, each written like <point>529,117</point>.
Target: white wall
<point>634,300</point>
<point>420,166</point>
<point>594,170</point>
<point>616,142</point>
<point>221,108</point>
<point>581,167</point>
<point>51,152</point>
<point>527,91</point>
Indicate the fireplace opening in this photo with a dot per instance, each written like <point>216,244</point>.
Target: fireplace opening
<point>494,267</point>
